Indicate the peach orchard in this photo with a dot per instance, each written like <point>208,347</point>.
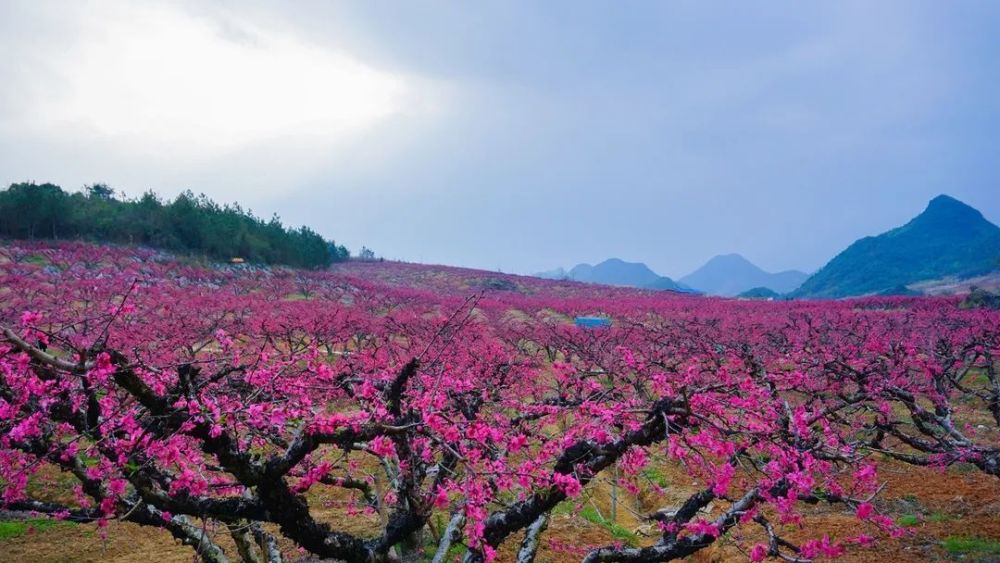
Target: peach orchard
<point>458,413</point>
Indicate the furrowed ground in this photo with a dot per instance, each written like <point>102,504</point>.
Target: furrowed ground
<point>384,411</point>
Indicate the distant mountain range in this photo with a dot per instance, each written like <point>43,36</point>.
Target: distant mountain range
<point>732,274</point>
<point>615,271</point>
<point>948,240</point>
<point>947,243</point>
<point>726,275</point>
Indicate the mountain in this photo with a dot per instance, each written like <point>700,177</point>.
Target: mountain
<point>949,239</point>
<point>732,274</point>
<point>665,283</point>
<point>614,272</point>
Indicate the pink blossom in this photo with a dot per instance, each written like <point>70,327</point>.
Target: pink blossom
<point>864,510</point>
<point>567,484</point>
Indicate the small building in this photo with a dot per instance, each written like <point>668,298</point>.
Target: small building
<point>236,260</point>
<point>592,322</point>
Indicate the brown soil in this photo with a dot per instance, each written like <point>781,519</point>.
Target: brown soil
<point>125,543</point>
<point>958,502</point>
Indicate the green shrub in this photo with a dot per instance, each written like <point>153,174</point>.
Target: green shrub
<point>968,545</point>
<point>14,528</point>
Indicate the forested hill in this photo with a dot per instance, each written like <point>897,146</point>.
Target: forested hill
<point>190,224</point>
<point>949,239</point>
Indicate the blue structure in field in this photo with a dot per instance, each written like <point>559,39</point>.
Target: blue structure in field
<point>592,322</point>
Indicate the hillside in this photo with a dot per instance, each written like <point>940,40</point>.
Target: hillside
<point>759,293</point>
<point>190,224</point>
<point>732,274</point>
<point>949,239</point>
<point>496,341</point>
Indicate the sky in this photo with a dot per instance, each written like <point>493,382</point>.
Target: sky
<point>520,136</point>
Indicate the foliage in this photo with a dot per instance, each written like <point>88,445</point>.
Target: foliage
<point>963,545</point>
<point>591,514</point>
<point>14,528</point>
<point>197,399</point>
<point>189,223</point>
<point>979,298</point>
<point>939,517</point>
<point>760,293</point>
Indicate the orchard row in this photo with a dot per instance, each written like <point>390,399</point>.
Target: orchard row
<point>465,405</point>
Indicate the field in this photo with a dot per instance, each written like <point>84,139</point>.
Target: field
<point>154,407</point>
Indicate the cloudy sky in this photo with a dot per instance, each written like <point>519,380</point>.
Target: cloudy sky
<point>520,135</point>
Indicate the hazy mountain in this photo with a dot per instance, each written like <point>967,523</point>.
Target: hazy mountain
<point>949,239</point>
<point>614,272</point>
<point>732,274</point>
<point>663,282</point>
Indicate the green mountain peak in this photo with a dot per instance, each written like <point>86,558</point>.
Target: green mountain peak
<point>949,238</point>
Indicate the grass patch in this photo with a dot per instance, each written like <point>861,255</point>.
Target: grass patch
<point>938,517</point>
<point>15,528</point>
<point>590,514</point>
<point>966,545</point>
<point>564,507</point>
<point>965,467</point>
<point>911,520</point>
<point>656,476</point>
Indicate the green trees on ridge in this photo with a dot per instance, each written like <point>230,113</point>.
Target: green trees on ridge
<point>190,223</point>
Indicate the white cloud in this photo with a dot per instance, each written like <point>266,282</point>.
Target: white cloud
<point>153,78</point>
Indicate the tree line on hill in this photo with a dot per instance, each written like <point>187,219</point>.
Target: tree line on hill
<point>191,224</point>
